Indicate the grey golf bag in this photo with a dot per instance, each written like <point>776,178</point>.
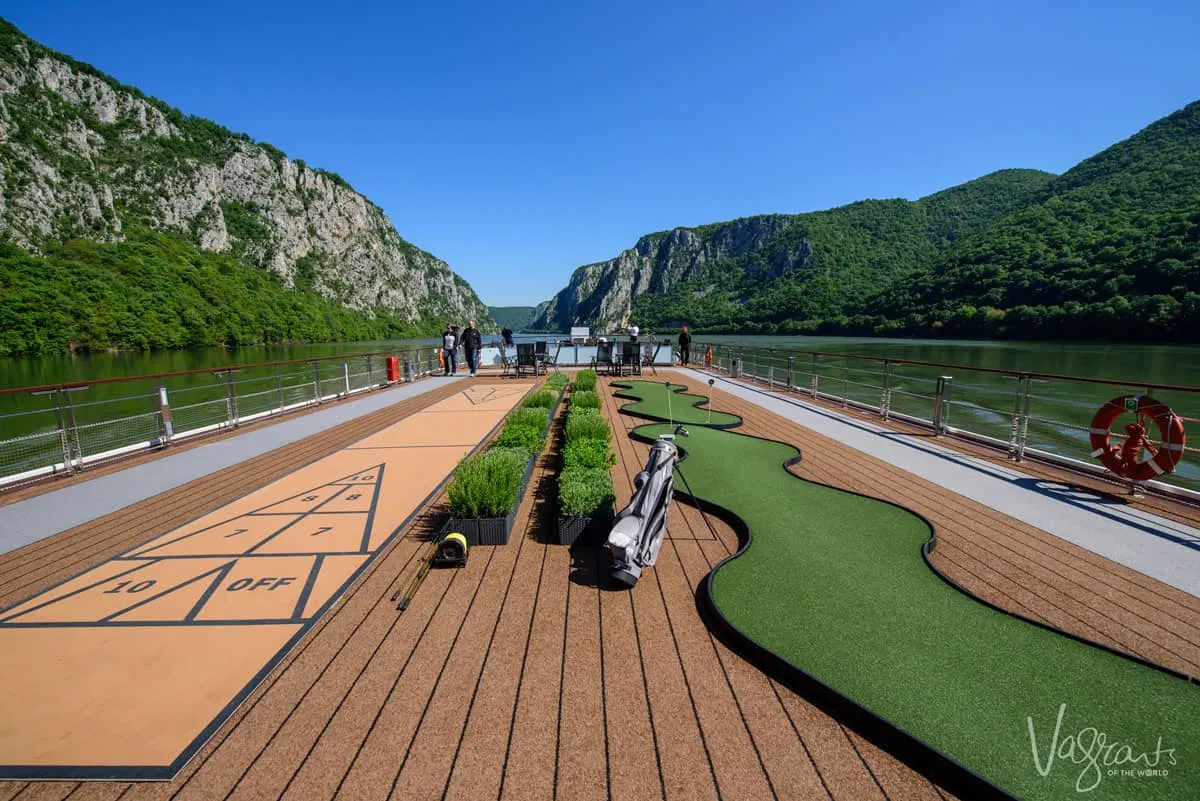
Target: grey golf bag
<point>638,531</point>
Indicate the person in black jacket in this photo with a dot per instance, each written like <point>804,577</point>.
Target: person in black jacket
<point>506,335</point>
<point>685,346</point>
<point>472,341</point>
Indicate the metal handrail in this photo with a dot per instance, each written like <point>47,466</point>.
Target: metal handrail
<point>826,375</point>
<point>700,346</point>
<point>62,440</point>
<point>199,371</point>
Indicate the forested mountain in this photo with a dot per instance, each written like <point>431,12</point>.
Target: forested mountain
<point>773,271</point>
<point>514,317</point>
<point>1110,249</point>
<point>83,157</point>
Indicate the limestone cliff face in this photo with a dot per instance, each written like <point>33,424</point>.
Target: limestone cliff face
<point>84,156</point>
<point>601,294</point>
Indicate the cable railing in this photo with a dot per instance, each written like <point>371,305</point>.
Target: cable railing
<point>63,428</point>
<point>1044,416</point>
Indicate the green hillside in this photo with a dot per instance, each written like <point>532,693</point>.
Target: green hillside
<point>1112,251</point>
<point>514,317</point>
<point>846,254</point>
<point>157,291</point>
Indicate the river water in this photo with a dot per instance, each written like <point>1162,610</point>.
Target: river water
<point>980,401</point>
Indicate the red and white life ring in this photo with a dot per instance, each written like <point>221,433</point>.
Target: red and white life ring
<point>1125,460</point>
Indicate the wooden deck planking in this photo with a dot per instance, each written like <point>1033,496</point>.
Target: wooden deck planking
<point>524,676</point>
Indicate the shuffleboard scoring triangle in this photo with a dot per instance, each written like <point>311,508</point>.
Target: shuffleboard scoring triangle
<point>313,499</point>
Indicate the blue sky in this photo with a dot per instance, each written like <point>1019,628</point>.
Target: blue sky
<point>519,140</point>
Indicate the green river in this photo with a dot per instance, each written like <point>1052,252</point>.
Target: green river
<point>981,402</point>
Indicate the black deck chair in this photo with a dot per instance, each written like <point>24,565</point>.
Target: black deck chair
<point>541,352</point>
<point>526,358</point>
<point>603,357</point>
<point>631,356</point>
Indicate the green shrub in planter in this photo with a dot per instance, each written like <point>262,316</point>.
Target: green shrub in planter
<point>542,399</point>
<point>486,485</point>
<point>558,381</point>
<point>585,399</point>
<point>528,438</point>
<point>585,379</point>
<point>536,417</point>
<point>593,453</point>
<point>586,424</point>
<point>584,491</point>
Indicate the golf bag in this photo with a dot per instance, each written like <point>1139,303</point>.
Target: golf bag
<point>638,531</point>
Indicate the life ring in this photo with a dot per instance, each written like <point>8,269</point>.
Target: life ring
<point>1124,460</point>
<point>708,356</point>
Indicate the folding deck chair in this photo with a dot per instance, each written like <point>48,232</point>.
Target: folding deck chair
<point>631,356</point>
<point>526,358</point>
<point>603,357</point>
<point>507,361</point>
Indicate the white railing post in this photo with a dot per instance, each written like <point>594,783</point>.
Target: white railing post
<point>166,428</point>
<point>1020,418</point>
<point>815,380</point>
<point>885,399</point>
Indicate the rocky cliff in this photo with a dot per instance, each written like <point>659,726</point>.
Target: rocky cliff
<point>602,294</point>
<point>83,156</point>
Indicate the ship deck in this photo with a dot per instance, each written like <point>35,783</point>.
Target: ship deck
<point>525,676</point>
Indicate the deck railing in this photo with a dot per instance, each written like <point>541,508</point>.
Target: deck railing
<point>62,428</point>
<point>1026,414</point>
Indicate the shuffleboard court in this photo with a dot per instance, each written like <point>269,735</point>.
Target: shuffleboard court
<point>125,670</point>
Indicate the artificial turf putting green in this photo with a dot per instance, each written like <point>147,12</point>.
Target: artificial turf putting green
<point>836,584</point>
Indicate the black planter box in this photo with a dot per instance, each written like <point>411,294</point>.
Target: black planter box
<point>497,530</point>
<point>482,530</point>
<point>572,529</point>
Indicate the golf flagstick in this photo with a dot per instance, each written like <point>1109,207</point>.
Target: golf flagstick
<point>709,404</point>
<point>670,417</point>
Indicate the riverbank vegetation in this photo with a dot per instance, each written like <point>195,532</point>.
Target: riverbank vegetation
<point>155,291</point>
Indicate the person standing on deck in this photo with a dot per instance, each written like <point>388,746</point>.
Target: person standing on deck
<point>449,344</point>
<point>472,342</point>
<point>633,332</point>
<point>685,346</point>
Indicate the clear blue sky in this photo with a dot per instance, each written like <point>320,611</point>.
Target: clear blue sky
<point>518,140</point>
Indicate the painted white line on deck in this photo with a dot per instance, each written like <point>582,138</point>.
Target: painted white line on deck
<point>41,516</point>
<point>1162,549</point>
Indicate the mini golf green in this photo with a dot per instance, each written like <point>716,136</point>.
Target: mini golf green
<point>836,584</point>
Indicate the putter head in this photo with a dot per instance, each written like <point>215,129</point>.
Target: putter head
<point>680,431</point>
